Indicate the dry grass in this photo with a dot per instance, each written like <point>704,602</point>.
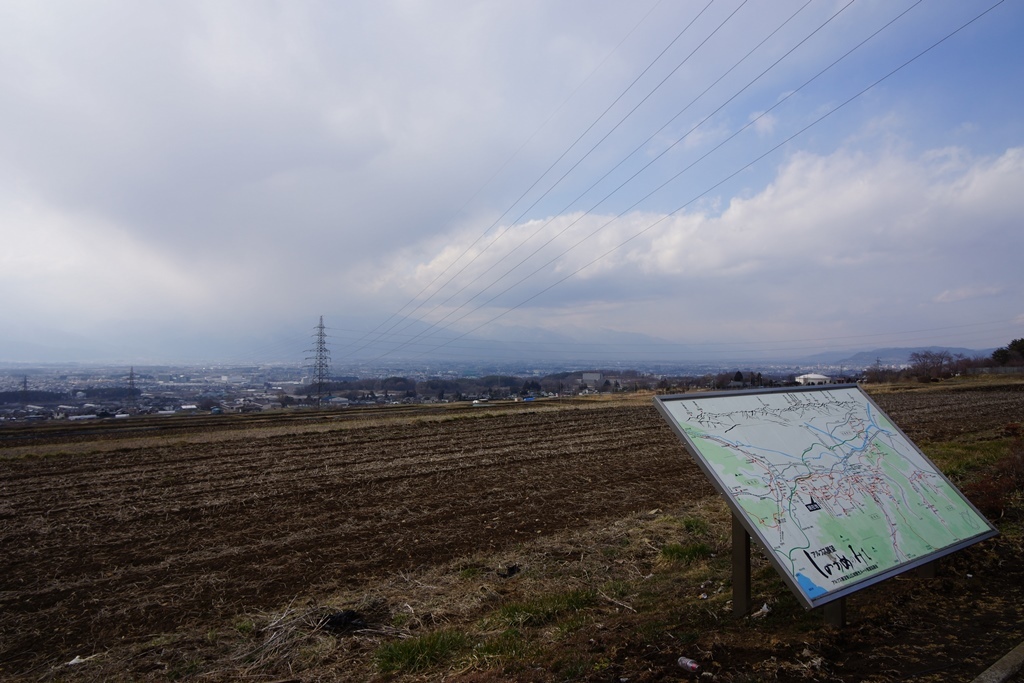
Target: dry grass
<point>603,601</point>
<point>474,615</point>
<point>596,604</point>
<point>232,428</point>
<point>966,382</point>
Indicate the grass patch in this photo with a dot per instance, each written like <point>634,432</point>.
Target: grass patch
<point>696,526</point>
<point>543,609</point>
<point>960,461</point>
<point>509,645</point>
<point>617,588</point>
<point>572,624</point>
<point>245,626</point>
<point>470,573</point>
<point>417,654</point>
<point>677,553</point>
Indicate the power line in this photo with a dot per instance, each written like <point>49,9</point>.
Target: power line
<point>652,161</point>
<point>537,181</point>
<point>729,176</point>
<point>634,175</point>
<point>567,172</point>
<point>498,171</point>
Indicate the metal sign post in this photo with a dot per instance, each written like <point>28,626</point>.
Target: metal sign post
<point>835,613</point>
<point>740,569</point>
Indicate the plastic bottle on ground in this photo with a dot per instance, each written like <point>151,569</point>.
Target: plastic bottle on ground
<point>688,664</point>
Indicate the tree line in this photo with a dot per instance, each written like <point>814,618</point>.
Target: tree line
<point>488,386</point>
<point>923,365</point>
<point>933,365</point>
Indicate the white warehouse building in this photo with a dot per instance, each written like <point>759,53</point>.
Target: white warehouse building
<point>813,378</point>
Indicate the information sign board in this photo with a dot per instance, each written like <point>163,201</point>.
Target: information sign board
<point>836,494</point>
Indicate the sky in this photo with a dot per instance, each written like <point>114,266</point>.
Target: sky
<point>655,180</point>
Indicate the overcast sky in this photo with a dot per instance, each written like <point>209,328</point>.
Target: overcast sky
<point>203,180</point>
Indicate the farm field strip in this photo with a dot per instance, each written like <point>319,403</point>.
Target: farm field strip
<point>135,536</point>
<point>142,432</point>
<point>317,464</point>
<point>127,543</point>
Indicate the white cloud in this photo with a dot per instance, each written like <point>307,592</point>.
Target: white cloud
<point>82,268</point>
<point>846,234</point>
<point>223,165</point>
<point>764,124</point>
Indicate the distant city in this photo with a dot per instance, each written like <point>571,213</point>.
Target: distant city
<point>84,392</point>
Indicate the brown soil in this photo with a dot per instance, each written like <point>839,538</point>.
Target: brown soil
<point>113,538</point>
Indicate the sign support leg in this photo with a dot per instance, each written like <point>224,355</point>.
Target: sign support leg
<point>740,569</point>
<point>835,613</point>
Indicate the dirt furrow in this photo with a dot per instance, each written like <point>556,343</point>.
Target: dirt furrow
<point>130,541</point>
<point>137,543</point>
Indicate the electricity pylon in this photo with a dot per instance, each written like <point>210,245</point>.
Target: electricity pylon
<point>132,403</point>
<point>320,362</point>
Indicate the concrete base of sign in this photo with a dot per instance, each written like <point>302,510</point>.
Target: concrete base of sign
<point>1006,667</point>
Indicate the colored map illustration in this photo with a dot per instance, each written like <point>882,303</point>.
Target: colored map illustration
<point>833,489</point>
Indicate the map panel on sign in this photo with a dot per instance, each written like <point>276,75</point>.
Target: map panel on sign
<point>834,490</point>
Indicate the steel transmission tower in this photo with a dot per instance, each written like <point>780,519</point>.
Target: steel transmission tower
<point>131,388</point>
<point>320,362</point>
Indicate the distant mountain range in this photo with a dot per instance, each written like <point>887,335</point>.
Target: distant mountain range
<point>498,349</point>
<point>571,344</point>
<point>889,356</point>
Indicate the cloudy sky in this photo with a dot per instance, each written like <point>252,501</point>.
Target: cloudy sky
<point>200,181</point>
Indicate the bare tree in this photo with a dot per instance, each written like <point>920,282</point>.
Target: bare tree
<point>931,364</point>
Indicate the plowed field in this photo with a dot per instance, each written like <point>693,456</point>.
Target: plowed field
<point>145,538</point>
<point>112,535</point>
